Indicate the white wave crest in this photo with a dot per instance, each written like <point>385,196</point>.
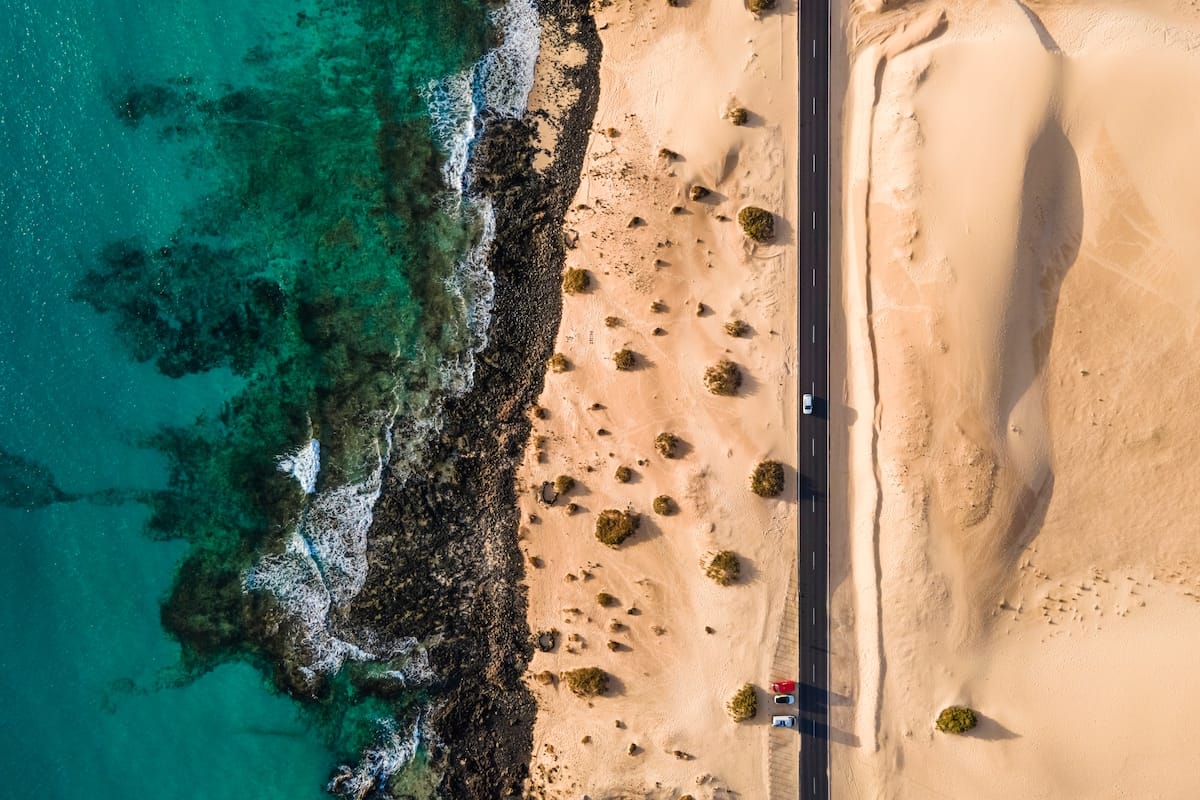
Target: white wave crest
<point>303,464</point>
<point>393,749</point>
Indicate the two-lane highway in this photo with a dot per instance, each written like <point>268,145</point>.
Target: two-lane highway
<point>812,461</point>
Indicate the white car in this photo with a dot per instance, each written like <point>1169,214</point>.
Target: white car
<point>785,699</point>
<point>807,406</point>
<point>783,721</point>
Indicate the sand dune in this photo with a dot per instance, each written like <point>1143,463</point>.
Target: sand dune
<point>1021,298</point>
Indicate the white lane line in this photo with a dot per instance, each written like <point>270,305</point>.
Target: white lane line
<point>814,105</point>
<point>814,162</point>
<point>814,55</point>
<point>814,221</point>
<point>814,615</point>
<point>814,334</point>
<point>814,677</point>
<point>814,277</point>
<point>814,446</point>
<point>814,510</point>
<point>814,779</point>
<point>814,387</point>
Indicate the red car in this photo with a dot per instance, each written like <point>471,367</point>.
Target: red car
<point>783,687</point>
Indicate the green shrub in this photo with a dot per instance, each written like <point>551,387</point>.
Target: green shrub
<point>723,378</point>
<point>723,568</point>
<point>759,6</point>
<point>607,600</point>
<point>738,115</point>
<point>564,484</point>
<point>956,719</point>
<point>736,328</point>
<point>623,474</point>
<point>699,192</point>
<point>558,363</point>
<point>613,527</point>
<point>575,281</point>
<point>757,223</point>
<point>664,505</point>
<point>586,681</point>
<point>667,445</point>
<point>767,479</point>
<point>743,705</point>
<point>624,359</point>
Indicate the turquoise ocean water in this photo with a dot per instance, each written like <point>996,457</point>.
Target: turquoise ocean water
<point>232,252</point>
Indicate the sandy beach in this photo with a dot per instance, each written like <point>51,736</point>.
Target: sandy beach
<point>1021,302</point>
<point>668,269</point>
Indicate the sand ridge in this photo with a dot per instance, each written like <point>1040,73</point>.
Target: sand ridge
<point>1020,304</point>
<point>676,644</point>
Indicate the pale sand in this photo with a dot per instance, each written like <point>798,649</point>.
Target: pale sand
<point>667,76</point>
<point>1022,294</point>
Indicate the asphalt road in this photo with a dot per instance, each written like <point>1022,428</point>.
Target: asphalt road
<point>813,484</point>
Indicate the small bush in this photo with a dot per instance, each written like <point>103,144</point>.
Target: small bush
<point>612,322</point>
<point>757,223</point>
<point>723,378</point>
<point>564,484</point>
<point>586,681</point>
<point>558,363</point>
<point>607,600</point>
<point>956,719</point>
<point>613,527</point>
<point>736,328</point>
<point>699,192</point>
<point>767,479</point>
<point>625,359</point>
<point>723,568</point>
<point>667,445</point>
<point>759,6</point>
<point>664,505</point>
<point>623,474</point>
<point>658,307</point>
<point>743,705</point>
<point>738,115</point>
<point>575,281</point>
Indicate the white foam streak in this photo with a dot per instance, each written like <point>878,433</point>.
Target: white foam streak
<point>393,749</point>
<point>303,464</point>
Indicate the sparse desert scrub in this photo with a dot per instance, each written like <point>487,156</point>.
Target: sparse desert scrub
<point>612,322</point>
<point>575,280</point>
<point>698,192</point>
<point>625,359</point>
<point>767,479</point>
<point>956,719</point>
<point>664,505</point>
<point>623,474</point>
<point>759,6</point>
<point>667,445</point>
<point>606,600</point>
<point>736,328</point>
<point>613,527</point>
<point>586,681</point>
<point>558,363</point>
<point>757,223</point>
<point>564,484</point>
<point>724,568</point>
<point>723,378</point>
<point>738,115</point>
<point>743,705</point>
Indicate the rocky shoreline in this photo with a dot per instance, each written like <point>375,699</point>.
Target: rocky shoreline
<point>446,543</point>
